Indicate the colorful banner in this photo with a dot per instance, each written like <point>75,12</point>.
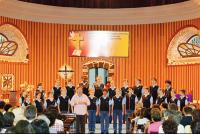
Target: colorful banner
<point>98,43</point>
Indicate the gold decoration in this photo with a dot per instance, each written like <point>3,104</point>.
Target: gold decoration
<point>181,51</point>
<point>26,87</point>
<point>7,82</point>
<point>13,45</point>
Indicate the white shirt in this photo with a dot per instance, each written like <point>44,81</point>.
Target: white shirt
<point>80,109</point>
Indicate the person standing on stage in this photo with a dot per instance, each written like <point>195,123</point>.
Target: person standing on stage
<point>92,111</point>
<point>27,101</point>
<point>80,102</point>
<point>63,102</point>
<point>129,108</point>
<point>39,103</point>
<point>56,90</point>
<point>50,101</point>
<point>168,85</point>
<point>118,103</point>
<point>147,99</point>
<point>40,90</point>
<point>154,89</point>
<point>104,111</point>
<point>183,100</point>
<point>70,89</point>
<point>112,90</point>
<point>23,97</point>
<point>138,88</point>
<point>161,98</point>
<point>124,88</point>
<point>98,86</point>
<point>173,98</point>
<point>85,86</point>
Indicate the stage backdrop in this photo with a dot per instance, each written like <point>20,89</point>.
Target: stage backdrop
<point>47,45</point>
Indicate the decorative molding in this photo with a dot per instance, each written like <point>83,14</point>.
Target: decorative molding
<point>7,82</point>
<point>182,50</point>
<point>13,45</point>
<point>98,63</point>
<point>64,15</point>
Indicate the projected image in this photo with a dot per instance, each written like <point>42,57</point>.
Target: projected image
<point>98,43</point>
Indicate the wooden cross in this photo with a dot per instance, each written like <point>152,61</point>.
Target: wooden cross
<point>65,71</point>
<point>77,39</point>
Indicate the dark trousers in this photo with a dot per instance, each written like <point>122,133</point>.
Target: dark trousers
<point>104,122</point>
<point>80,123</point>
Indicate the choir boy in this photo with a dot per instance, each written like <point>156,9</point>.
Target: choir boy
<point>63,102</point>
<point>183,99</point>
<point>56,90</point>
<point>118,103</point>
<point>112,90</point>
<point>22,97</point>
<point>129,108</point>
<point>85,86</point>
<point>98,86</point>
<point>173,98</point>
<point>147,99</point>
<point>154,88</point>
<point>27,101</point>
<point>39,103</point>
<point>138,88</point>
<point>168,85</point>
<point>161,98</point>
<point>50,101</point>
<point>92,111</point>
<point>124,88</point>
<point>70,89</point>
<point>104,104</point>
<point>41,90</point>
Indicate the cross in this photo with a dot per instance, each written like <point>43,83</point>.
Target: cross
<point>65,71</point>
<point>77,39</point>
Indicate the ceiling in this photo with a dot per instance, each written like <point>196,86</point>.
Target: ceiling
<point>104,3</point>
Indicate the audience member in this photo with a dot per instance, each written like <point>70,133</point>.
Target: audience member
<point>187,118</point>
<point>156,117</point>
<point>23,127</point>
<point>40,126</point>
<point>30,113</point>
<point>170,126</point>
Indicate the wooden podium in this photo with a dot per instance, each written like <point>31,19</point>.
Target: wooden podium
<point>13,98</point>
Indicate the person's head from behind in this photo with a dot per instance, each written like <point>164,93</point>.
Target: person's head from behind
<point>170,126</point>
<point>171,114</point>
<point>163,106</point>
<point>196,115</point>
<point>156,115</point>
<point>30,112</point>
<point>1,121</point>
<point>23,127</point>
<point>195,127</point>
<point>138,82</point>
<point>7,107</point>
<point>156,106</point>
<point>105,92</point>
<point>142,112</point>
<point>173,106</point>
<point>187,110</point>
<point>153,81</point>
<point>8,119</point>
<point>40,126</point>
<point>2,104</point>
<point>51,116</point>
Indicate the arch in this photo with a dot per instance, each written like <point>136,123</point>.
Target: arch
<point>98,63</point>
<point>13,45</point>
